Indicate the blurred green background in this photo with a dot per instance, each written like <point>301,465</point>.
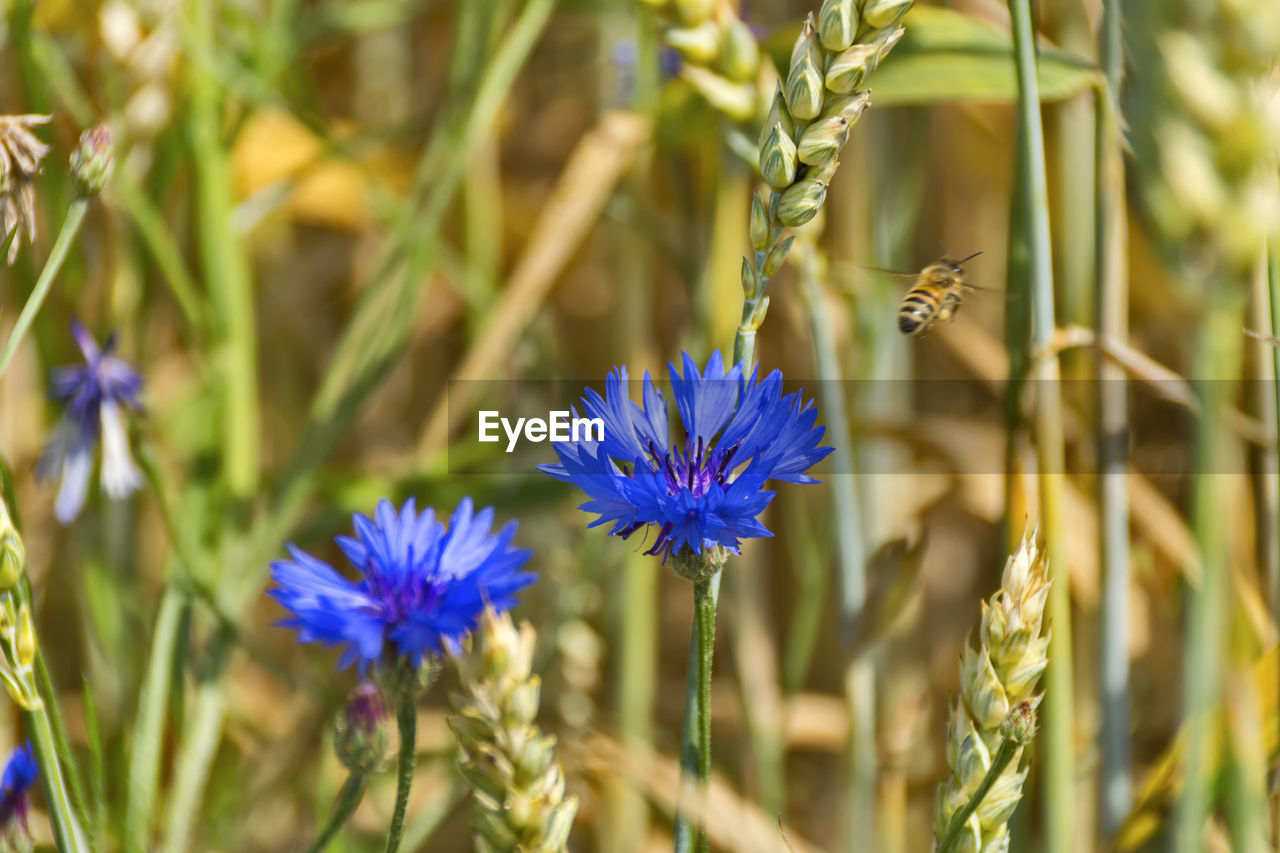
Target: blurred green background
<point>324,211</point>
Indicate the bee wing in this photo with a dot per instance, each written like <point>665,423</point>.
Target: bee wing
<point>1005,294</point>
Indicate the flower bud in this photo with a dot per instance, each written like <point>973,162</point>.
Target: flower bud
<point>801,202</point>
<point>92,161</point>
<point>739,52</point>
<point>750,289</point>
<point>778,159</point>
<point>837,24</point>
<point>777,257</point>
<point>1020,725</point>
<point>559,824</point>
<point>521,706</point>
<point>13,559</point>
<point>1001,800</point>
<point>24,644</point>
<point>824,172</point>
<point>362,731</point>
<point>759,225</point>
<point>757,320</point>
<point>983,695</point>
<point>780,116</point>
<point>882,13</point>
<point>973,760</point>
<point>823,140</point>
<point>737,100</point>
<point>805,79</point>
<point>849,68</point>
<point>1020,679</point>
<point>700,44</point>
<point>694,12</point>
<point>1208,93</point>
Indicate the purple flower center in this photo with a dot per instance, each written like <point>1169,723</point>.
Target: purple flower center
<point>694,469</point>
<point>402,593</point>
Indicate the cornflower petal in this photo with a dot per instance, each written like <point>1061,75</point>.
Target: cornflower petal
<point>120,476</point>
<point>73,487</point>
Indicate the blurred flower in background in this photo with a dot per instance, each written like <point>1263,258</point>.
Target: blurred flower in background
<point>96,394</point>
<point>706,489</point>
<point>422,587</point>
<point>20,156</point>
<point>20,773</point>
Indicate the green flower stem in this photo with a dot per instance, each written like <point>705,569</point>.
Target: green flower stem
<point>66,829</point>
<point>1218,359</point>
<point>697,710</point>
<point>1059,754</point>
<point>344,806</point>
<point>61,742</point>
<point>407,720</point>
<point>704,604</point>
<point>200,737</point>
<point>1008,749</point>
<point>58,254</point>
<point>223,260</point>
<point>148,738</point>
<point>1111,317</point>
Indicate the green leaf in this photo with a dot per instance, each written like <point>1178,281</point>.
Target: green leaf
<point>949,56</point>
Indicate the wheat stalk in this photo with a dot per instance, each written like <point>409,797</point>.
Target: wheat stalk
<point>517,784</point>
<point>994,717</point>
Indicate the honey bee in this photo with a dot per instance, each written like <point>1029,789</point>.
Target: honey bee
<point>936,296</point>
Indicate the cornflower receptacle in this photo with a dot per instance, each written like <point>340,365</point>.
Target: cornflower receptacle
<point>96,395</point>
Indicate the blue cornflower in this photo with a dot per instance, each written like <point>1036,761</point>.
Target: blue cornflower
<point>422,587</point>
<point>706,487</point>
<point>20,773</point>
<point>96,394</point>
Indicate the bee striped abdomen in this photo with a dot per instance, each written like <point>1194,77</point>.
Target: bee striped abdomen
<point>918,309</point>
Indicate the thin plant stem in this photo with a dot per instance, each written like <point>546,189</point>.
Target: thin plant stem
<point>66,829</point>
<point>97,764</point>
<point>349,797</point>
<point>148,737</point>
<point>44,681</point>
<point>42,725</point>
<point>1111,319</point>
<point>860,678</point>
<point>704,604</point>
<point>407,721</point>
<point>58,254</point>
<point>1273,291</point>
<point>194,757</point>
<point>1004,755</point>
<point>694,712</point>
<point>225,266</point>
<point>1218,357</point>
<point>1059,757</point>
